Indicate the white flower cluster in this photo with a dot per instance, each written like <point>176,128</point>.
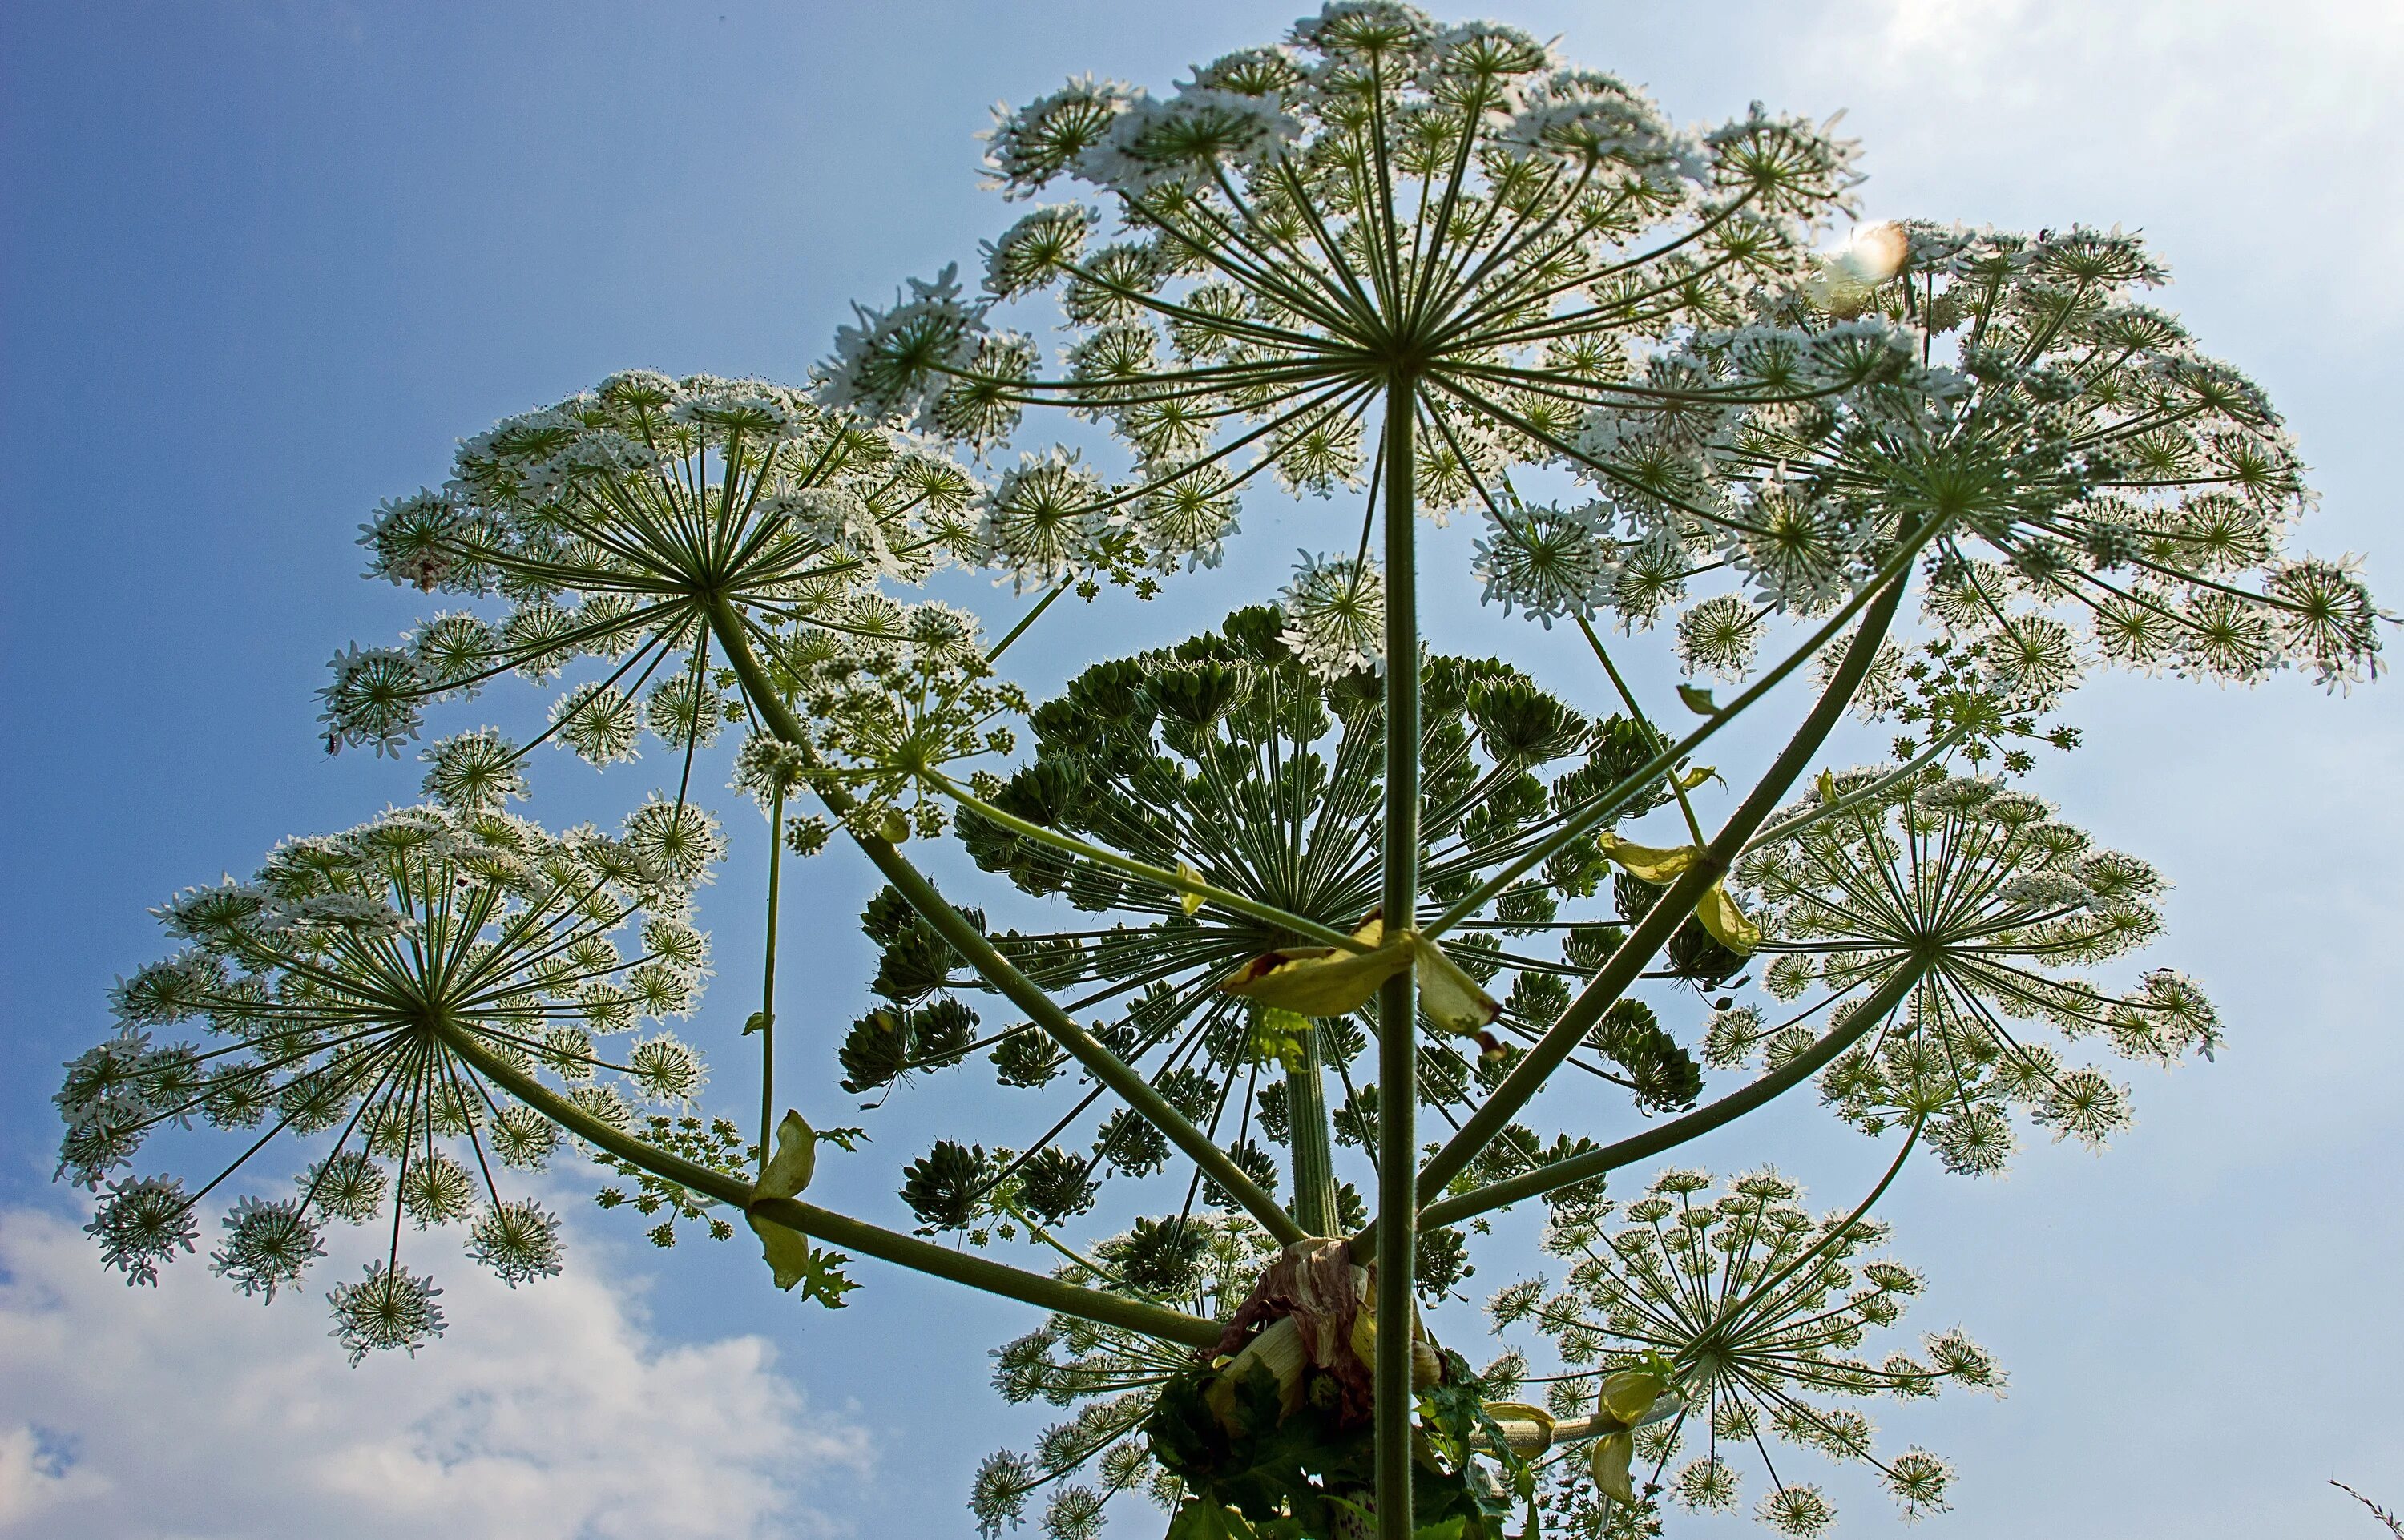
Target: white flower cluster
<point>1995,902</point>
<point>1335,615</point>
<point>1223,299</point>
<point>1763,1312</point>
<point>325,985</point>
<point>621,525</point>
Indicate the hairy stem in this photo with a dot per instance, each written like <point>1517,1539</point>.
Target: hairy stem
<point>1397,1005</point>
<point>1308,1134</point>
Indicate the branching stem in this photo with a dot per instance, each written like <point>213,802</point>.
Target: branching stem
<point>964,938</point>
<point>852,1235</point>
<point>1671,908</point>
<point>1679,1130</point>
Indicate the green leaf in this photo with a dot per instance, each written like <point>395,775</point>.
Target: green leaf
<point>790,1257</point>
<point>1698,701</point>
<point>1197,1520</point>
<point>1628,1395</point>
<point>792,1260</point>
<point>825,1282</point>
<point>758,1021</point>
<point>1276,1035</point>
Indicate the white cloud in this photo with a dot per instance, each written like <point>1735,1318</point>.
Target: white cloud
<point>547,1413</point>
<point>2266,129</point>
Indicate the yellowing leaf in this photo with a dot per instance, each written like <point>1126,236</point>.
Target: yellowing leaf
<point>796,1158</point>
<point>1280,1349</point>
<point>1609,1463</point>
<point>1322,981</point>
<point>788,1250</point>
<point>1328,981</point>
<point>1696,777</point>
<point>1188,898</point>
<point>1729,925</point>
<point>1528,1430</point>
<point>1452,999</point>
<point>1628,1395</point>
<point>1319,982</point>
<point>1656,865</point>
<point>789,1171</point>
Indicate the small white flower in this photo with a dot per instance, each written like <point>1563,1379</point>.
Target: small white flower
<point>1550,561</point>
<point>1335,615</point>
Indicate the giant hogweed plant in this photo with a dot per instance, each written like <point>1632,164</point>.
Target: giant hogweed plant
<point>1307,944</point>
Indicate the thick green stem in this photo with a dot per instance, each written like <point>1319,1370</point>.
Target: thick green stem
<point>1874,1008</point>
<point>947,921</point>
<point>1308,1135</point>
<point>1397,1006</point>
<point>853,1235</point>
<point>1669,910</point>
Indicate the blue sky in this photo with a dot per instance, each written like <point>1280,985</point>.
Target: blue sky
<point>261,265</point>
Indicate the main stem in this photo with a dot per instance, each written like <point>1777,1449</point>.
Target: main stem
<point>1306,1128</point>
<point>1397,1007</point>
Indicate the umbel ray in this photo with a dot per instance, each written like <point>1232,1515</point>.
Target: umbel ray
<point>1304,944</point>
